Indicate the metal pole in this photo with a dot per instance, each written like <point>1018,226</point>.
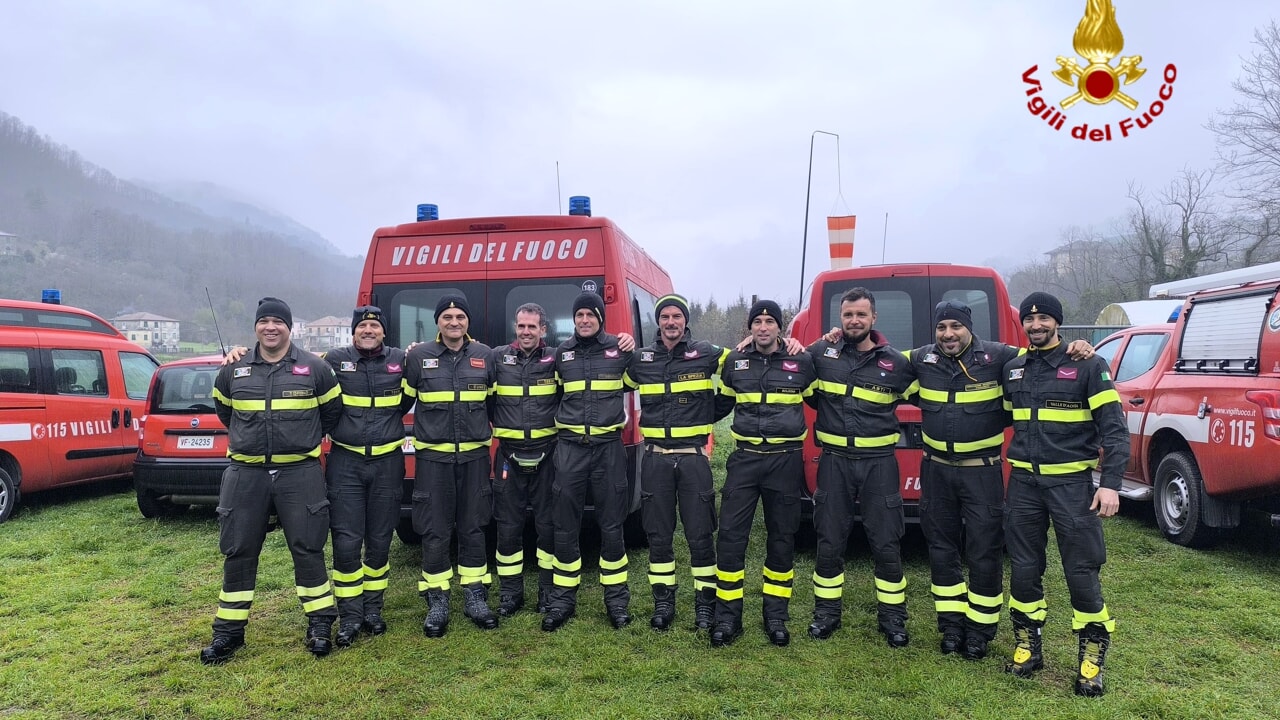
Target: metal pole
<point>804,246</point>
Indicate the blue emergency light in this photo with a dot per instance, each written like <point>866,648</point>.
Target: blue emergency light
<point>51,296</point>
<point>428,211</point>
<point>580,205</point>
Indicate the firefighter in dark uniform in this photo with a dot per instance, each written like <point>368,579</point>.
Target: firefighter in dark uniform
<point>277,405</point>
<point>861,380</point>
<point>1064,410</point>
<point>589,454</point>
<point>365,471</point>
<point>451,378</point>
<point>765,386</point>
<point>675,377</point>
<point>526,396</point>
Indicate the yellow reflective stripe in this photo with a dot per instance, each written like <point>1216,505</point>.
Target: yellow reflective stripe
<point>217,395</point>
<point>728,595</point>
<point>991,604</point>
<point>728,391</point>
<point>231,614</point>
<point>515,557</point>
<point>783,398</point>
<point>767,441</point>
<point>1063,416</point>
<point>563,581</point>
<point>1103,616</point>
<point>613,578</point>
<point>833,593</point>
<point>332,394</point>
<point>546,560</point>
<point>599,385</point>
<point>454,396</point>
<point>891,593</point>
<point>977,396</point>
<point>574,566</point>
<point>347,591</point>
<point>1102,398</point>
<point>595,430</point>
<point>575,386</point>
<point>374,585</point>
<point>348,577</point>
<point>950,605</point>
<point>873,396</point>
<point>436,396</point>
<point>376,572</point>
<point>1037,610</point>
<point>438,577</point>
<point>259,459</point>
<point>912,389</point>
<point>780,576</point>
<point>652,389</point>
<point>318,604</point>
<point>408,389</point>
<point>366,401</point>
<point>675,432</point>
<point>664,568</point>
<point>692,385</point>
<point>836,581</point>
<point>313,591</point>
<point>295,404</point>
<point>613,564</point>
<point>707,572</point>
<point>382,449</point>
<point>236,596</point>
<point>451,447</point>
<point>1056,468</point>
<point>730,576</point>
<point>948,590</point>
<point>833,388</point>
<point>933,395</point>
<point>470,575</point>
<point>841,441</point>
<point>249,405</point>
<point>517,434</point>
<point>993,441</point>
<point>522,390</point>
<point>783,591</point>
<point>744,398</point>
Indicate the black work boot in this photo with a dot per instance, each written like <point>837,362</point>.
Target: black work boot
<point>895,632</point>
<point>975,647</point>
<point>555,618</point>
<point>545,583</point>
<point>724,633</point>
<point>437,621</point>
<point>510,595</point>
<point>952,640</point>
<point>776,631</point>
<point>348,631</point>
<point>618,616</point>
<point>664,607</point>
<point>374,624</point>
<point>1094,642</point>
<point>319,640</point>
<point>826,618</point>
<point>704,608</point>
<point>476,606</point>
<point>221,649</point>
<point>1028,650</point>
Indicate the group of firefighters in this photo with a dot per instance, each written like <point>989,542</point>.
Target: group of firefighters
<point>558,415</point>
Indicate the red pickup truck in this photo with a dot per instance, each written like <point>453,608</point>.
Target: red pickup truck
<point>1202,399</point>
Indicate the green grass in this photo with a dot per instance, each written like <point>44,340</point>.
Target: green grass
<point>102,614</point>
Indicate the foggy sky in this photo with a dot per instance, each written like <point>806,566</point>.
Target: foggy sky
<point>688,124</point>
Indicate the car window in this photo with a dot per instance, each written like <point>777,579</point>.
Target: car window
<point>15,371</point>
<point>138,369</point>
<point>1107,350</point>
<point>79,372</point>
<point>1140,356</point>
<point>184,389</point>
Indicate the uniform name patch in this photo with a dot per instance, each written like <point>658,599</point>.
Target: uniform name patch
<point>297,393</point>
<point>646,356</point>
<point>1067,373</point>
<point>611,353</point>
<point>508,359</point>
<point>790,366</point>
<point>477,362</point>
<point>566,356</point>
<point>476,386</point>
<point>301,370</point>
<point>1016,374</point>
<point>1064,404</point>
<point>393,368</point>
<point>879,389</point>
<point>982,386</point>
<point>930,358</point>
<point>788,391</point>
<point>691,376</point>
<point>831,353</point>
<point>346,367</point>
<point>547,381</point>
<point>741,364</point>
<point>430,363</point>
<point>241,372</point>
<point>609,376</point>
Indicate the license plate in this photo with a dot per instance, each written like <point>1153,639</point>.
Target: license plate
<point>195,442</point>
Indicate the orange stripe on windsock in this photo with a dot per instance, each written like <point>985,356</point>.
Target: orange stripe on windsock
<point>843,222</point>
<point>840,238</point>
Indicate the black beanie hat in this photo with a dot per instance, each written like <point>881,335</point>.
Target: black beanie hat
<point>672,300</point>
<point>953,310</point>
<point>1041,302</point>
<point>455,300</point>
<point>368,312</point>
<point>273,307</point>
<point>590,301</point>
<point>765,307</point>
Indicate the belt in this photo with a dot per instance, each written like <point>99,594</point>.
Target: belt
<point>966,462</point>
<point>650,447</point>
<point>754,451</point>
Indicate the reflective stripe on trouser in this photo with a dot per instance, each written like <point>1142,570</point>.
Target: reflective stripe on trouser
<point>775,479</point>
<point>514,491</point>
<point>446,495</point>
<point>1032,502</point>
<point>364,508</point>
<point>247,494</point>
<point>601,469</point>
<point>841,482</point>
<point>683,479</point>
<point>964,505</point>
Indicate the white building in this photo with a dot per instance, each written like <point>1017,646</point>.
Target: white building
<point>155,332</point>
<point>327,333</point>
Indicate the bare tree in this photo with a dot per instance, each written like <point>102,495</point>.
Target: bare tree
<point>1248,133</point>
<point>1175,235</point>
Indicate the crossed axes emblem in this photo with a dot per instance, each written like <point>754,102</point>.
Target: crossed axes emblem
<point>1069,70</point>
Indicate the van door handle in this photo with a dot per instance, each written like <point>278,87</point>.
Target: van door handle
<point>128,417</point>
<point>115,417</point>
<point>1136,401</point>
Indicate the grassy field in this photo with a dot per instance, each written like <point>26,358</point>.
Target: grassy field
<point>102,614</point>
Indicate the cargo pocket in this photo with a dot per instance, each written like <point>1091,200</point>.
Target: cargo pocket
<point>227,539</point>
<point>420,512</point>
<point>707,504</point>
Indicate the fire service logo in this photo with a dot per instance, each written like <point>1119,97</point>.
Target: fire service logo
<point>1098,41</point>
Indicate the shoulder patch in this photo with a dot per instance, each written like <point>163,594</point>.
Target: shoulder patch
<point>346,366</point>
<point>741,364</point>
<point>241,372</point>
<point>1106,376</point>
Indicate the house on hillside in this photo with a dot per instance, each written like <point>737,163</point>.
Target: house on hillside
<point>155,332</point>
<point>327,333</point>
<point>9,244</point>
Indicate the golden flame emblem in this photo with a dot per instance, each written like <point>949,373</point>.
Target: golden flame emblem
<point>1098,39</point>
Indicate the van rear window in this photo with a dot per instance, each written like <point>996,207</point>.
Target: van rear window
<point>184,389</point>
<point>904,305</point>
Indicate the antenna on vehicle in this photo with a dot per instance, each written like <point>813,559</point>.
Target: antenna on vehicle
<point>884,240</point>
<point>222,348</point>
<point>559,206</point>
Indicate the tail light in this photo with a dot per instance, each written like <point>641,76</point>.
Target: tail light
<point>142,426</point>
<point>1269,401</point>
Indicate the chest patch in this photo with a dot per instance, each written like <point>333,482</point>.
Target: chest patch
<point>477,362</point>
<point>691,354</point>
<point>683,377</point>
<point>547,359</point>
<point>297,393</point>
<point>430,363</point>
<point>547,381</point>
<point>879,388</point>
<point>1016,373</point>
<point>475,386</point>
<point>1068,373</point>
<point>508,359</point>
<point>393,368</point>
<point>1064,404</point>
<point>790,366</point>
<point>931,358</point>
<point>611,353</point>
<point>347,367</point>
<point>741,364</point>
<point>646,356</point>
<point>981,386</point>
<point>241,372</point>
<point>886,364</point>
<point>831,353</point>
<point>301,370</point>
<point>566,356</point>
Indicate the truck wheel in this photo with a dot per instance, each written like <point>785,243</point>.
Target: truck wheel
<point>407,534</point>
<point>1177,502</point>
<point>8,495</point>
<point>153,507</point>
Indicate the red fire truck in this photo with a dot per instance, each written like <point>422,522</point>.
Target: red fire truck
<point>499,263</point>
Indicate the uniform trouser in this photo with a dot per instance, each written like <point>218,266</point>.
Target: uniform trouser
<point>842,481</point>
<point>684,478</point>
<point>776,478</point>
<point>964,505</point>
<point>1032,501</point>
<point>244,503</point>
<point>364,509</point>
<point>602,468</point>
<point>446,495</point>
<point>514,491</point>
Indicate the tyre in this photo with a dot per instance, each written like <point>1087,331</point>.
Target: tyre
<point>407,534</point>
<point>1178,488</point>
<point>153,507</point>
<point>633,534</point>
<point>8,495</point>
